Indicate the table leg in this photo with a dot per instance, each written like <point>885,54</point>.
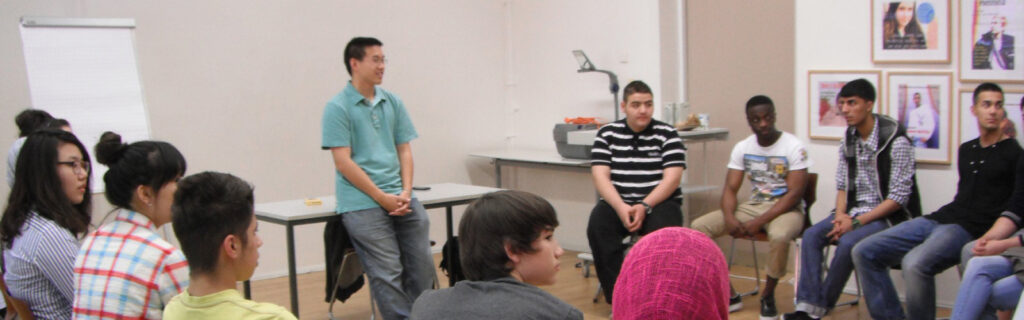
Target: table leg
<point>247,289</point>
<point>292,281</point>
<point>497,173</point>
<point>448,257</point>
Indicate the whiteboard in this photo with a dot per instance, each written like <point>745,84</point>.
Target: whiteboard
<point>85,71</point>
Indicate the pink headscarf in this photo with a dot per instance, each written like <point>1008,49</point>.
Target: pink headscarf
<point>673,273</point>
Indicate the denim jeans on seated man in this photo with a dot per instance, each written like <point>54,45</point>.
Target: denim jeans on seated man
<point>988,285</point>
<point>923,248</point>
<point>384,244</point>
<point>817,297</point>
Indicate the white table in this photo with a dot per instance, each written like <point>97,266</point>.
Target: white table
<point>291,213</point>
<point>530,158</point>
<point>551,158</point>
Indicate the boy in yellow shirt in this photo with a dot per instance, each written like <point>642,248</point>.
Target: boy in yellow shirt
<point>213,219</point>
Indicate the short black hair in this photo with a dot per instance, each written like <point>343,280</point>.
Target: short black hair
<point>986,86</point>
<point>58,124</point>
<point>498,218</point>
<point>209,206</point>
<point>635,86</point>
<point>759,100</point>
<point>356,49</point>
<point>30,120</point>
<point>858,88</point>
<point>143,163</point>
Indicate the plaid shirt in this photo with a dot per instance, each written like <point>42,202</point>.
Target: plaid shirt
<point>869,195</point>
<point>126,271</point>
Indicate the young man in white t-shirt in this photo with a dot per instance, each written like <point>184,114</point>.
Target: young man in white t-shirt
<point>776,163</point>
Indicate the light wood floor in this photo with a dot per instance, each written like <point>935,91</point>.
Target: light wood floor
<point>572,287</point>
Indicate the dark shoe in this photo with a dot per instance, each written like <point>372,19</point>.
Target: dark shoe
<point>735,303</point>
<point>799,315</point>
<point>768,311</point>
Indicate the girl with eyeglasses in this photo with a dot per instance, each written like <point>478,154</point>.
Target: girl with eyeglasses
<point>47,212</point>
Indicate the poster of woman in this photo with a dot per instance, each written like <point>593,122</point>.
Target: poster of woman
<point>910,31</point>
<point>989,31</point>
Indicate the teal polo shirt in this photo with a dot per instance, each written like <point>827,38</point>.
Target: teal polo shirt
<point>371,129</point>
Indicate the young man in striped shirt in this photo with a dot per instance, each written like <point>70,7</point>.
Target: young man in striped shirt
<point>637,164</point>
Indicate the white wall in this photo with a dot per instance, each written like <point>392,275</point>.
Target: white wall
<point>834,35</point>
<point>543,88</point>
<point>239,86</point>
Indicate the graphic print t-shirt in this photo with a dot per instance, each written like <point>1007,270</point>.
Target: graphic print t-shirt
<point>767,167</point>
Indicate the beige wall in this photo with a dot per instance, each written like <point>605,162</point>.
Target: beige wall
<point>735,50</point>
<point>239,86</point>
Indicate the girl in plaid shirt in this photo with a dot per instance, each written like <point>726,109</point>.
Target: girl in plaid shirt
<point>124,269</point>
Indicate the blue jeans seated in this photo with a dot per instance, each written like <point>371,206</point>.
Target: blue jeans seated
<point>924,248</point>
<point>988,285</point>
<point>395,253</point>
<point>817,297</point>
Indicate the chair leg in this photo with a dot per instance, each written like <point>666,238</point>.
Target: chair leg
<point>373,303</point>
<point>598,293</point>
<point>757,271</point>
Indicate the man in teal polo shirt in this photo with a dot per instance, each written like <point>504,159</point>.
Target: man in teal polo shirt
<point>368,131</point>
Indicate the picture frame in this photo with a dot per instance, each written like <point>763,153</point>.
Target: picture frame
<point>991,41</point>
<point>824,120</point>
<point>922,103</point>
<point>1012,100</point>
<point>910,31</point>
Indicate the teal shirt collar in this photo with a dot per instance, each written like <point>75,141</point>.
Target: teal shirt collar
<point>354,97</point>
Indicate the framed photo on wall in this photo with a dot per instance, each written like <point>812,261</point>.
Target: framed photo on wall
<point>824,118</point>
<point>922,103</point>
<point>991,32</point>
<point>1012,126</point>
<point>910,31</point>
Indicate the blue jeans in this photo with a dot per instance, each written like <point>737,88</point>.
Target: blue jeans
<point>395,254</point>
<point>817,297</point>
<point>923,248</point>
<point>988,284</point>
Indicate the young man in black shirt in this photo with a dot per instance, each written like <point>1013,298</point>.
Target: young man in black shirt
<point>927,245</point>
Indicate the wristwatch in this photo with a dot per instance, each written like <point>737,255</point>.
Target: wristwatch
<point>646,206</point>
<point>855,223</point>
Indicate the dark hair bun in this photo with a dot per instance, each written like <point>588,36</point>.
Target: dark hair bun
<point>110,148</point>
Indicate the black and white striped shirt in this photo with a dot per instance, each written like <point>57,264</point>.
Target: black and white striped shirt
<point>638,160</point>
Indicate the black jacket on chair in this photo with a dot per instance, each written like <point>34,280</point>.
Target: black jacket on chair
<point>336,243</point>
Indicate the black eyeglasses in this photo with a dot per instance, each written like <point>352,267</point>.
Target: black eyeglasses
<point>78,166</point>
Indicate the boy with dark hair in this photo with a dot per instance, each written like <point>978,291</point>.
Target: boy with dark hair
<point>28,121</point>
<point>507,247</point>
<point>875,188</point>
<point>927,245</point>
<point>213,219</point>
<point>637,164</point>
<point>776,163</point>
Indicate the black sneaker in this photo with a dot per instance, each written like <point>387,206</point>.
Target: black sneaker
<point>735,303</point>
<point>799,315</point>
<point>768,311</point>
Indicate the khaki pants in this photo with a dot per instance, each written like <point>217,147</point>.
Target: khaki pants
<point>781,231</point>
